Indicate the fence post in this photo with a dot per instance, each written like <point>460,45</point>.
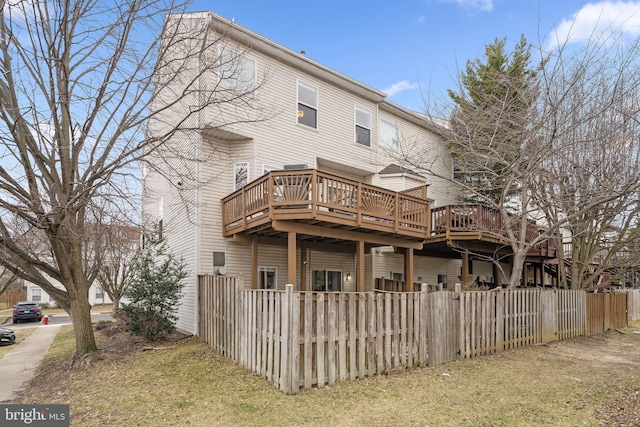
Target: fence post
<point>549,305</point>
<point>285,345</point>
<point>461,320</point>
<point>424,339</point>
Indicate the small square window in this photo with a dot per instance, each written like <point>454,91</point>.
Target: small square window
<point>241,175</point>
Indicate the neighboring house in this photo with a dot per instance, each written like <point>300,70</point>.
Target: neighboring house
<point>317,195</point>
<point>121,244</point>
<point>96,295</point>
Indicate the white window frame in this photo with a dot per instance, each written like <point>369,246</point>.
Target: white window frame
<point>392,127</point>
<point>99,293</point>
<point>263,274</point>
<point>245,68</point>
<point>312,106</point>
<point>238,181</point>
<point>366,126</point>
<point>38,297</point>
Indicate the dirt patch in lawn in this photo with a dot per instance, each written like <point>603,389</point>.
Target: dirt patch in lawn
<point>592,381</point>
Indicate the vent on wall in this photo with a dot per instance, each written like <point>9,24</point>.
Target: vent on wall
<point>291,167</point>
<point>218,262</point>
<point>218,259</point>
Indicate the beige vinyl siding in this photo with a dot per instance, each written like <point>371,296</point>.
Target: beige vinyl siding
<point>239,261</point>
<point>427,153</point>
<point>333,261</point>
<point>217,182</point>
<point>385,262</point>
<point>400,182</point>
<point>178,218</point>
<point>428,268</point>
<point>281,140</point>
<point>193,215</point>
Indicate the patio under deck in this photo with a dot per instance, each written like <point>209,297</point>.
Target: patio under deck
<point>460,230</point>
<point>317,209</point>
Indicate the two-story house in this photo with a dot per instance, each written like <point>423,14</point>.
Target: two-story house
<point>315,195</point>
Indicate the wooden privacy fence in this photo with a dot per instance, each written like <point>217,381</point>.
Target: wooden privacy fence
<point>606,311</point>
<point>298,340</point>
<point>9,298</point>
<point>633,304</point>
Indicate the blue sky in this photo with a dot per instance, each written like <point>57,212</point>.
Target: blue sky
<point>412,49</point>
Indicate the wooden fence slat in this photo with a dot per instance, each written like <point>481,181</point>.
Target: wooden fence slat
<point>342,336</point>
<point>362,334</point>
<point>352,349</point>
<point>331,335</point>
<point>308,339</point>
<point>298,340</point>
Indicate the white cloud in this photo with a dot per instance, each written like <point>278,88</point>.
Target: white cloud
<point>599,21</point>
<point>484,5</point>
<point>399,87</point>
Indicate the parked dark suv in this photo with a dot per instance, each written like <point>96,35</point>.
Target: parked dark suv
<point>27,310</point>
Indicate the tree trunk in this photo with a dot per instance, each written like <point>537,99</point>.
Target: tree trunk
<point>516,269</point>
<point>81,317</point>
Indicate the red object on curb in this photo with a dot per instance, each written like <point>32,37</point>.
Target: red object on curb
<point>45,320</point>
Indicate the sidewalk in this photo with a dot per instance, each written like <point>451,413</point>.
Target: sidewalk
<point>19,365</point>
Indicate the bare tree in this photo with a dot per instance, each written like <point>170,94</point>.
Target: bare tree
<point>570,163</point>
<point>121,247</point>
<point>77,80</point>
<point>590,181</point>
<point>492,137</point>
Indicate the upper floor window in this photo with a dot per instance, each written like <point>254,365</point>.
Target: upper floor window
<point>237,71</point>
<point>363,126</point>
<point>307,105</point>
<point>388,135</point>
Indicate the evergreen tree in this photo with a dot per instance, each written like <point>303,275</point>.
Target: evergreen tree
<point>489,122</point>
<point>154,291</point>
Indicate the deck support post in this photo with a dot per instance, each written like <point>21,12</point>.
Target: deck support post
<point>465,268</point>
<point>408,269</point>
<point>254,262</point>
<point>303,266</point>
<point>360,267</point>
<point>291,258</point>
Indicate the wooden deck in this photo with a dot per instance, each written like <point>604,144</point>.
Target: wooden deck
<point>475,222</point>
<point>317,199</point>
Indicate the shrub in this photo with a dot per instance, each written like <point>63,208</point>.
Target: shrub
<point>154,291</point>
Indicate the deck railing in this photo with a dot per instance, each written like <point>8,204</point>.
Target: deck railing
<point>310,194</point>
